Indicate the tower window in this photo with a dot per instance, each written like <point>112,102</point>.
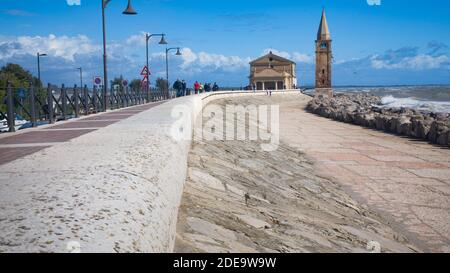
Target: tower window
<point>323,71</point>
<point>323,45</point>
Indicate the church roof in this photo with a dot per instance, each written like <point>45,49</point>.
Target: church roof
<point>266,57</point>
<point>324,32</point>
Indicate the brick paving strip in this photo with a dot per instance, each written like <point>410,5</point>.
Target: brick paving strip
<point>406,180</point>
<point>29,141</point>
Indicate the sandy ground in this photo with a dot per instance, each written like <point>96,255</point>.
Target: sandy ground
<point>238,198</point>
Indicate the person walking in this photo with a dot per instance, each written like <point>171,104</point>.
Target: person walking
<point>202,88</point>
<point>207,87</point>
<point>177,86</point>
<point>183,87</point>
<point>215,87</point>
<point>196,87</point>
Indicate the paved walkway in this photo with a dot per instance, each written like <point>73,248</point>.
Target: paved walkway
<point>26,142</point>
<point>406,180</point>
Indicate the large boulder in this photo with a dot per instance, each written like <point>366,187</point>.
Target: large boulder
<point>439,132</point>
<point>423,128</point>
<point>444,138</point>
<point>365,110</point>
<point>403,125</point>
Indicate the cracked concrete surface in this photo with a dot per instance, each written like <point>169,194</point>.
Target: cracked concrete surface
<point>240,199</point>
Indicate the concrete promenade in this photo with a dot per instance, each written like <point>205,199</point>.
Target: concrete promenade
<point>113,182</point>
<point>22,143</point>
<point>406,180</point>
<point>104,183</point>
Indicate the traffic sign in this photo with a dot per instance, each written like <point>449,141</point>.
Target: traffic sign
<point>144,71</point>
<point>98,80</point>
<point>124,83</point>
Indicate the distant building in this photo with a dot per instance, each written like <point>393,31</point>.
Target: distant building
<point>272,72</point>
<point>324,58</point>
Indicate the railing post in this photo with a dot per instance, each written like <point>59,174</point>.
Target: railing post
<point>51,115</point>
<point>94,99</point>
<point>125,96</point>
<point>64,102</point>
<point>10,109</point>
<point>111,90</point>
<point>86,100</point>
<point>32,106</point>
<point>122,101</point>
<point>75,102</point>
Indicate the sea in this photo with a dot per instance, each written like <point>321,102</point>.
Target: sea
<point>425,98</point>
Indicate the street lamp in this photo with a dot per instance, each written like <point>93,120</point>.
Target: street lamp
<point>81,76</point>
<point>39,65</point>
<point>162,42</point>
<point>129,11</point>
<point>167,63</point>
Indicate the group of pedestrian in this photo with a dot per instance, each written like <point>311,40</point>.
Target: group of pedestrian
<point>207,87</point>
<point>181,88</point>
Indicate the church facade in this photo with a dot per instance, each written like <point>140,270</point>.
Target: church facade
<point>272,72</point>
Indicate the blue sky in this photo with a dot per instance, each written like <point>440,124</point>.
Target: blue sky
<point>397,42</point>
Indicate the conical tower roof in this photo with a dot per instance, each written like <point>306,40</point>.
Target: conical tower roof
<point>324,32</point>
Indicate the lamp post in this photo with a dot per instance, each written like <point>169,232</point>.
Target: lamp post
<point>167,63</point>
<point>81,76</point>
<point>39,65</point>
<point>129,11</point>
<point>162,42</point>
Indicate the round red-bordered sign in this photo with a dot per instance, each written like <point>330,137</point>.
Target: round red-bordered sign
<point>98,80</point>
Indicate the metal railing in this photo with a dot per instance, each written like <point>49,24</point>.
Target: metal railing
<point>33,106</point>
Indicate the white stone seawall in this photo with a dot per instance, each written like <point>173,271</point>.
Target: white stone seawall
<point>117,189</point>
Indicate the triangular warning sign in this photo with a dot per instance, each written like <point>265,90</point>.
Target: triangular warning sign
<point>144,71</point>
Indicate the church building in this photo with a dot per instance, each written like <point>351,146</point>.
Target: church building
<point>272,72</point>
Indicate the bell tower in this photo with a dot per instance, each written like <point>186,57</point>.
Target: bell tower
<point>323,58</point>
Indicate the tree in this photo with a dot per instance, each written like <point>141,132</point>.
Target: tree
<point>19,78</point>
<point>161,84</point>
<point>117,81</point>
<point>135,84</point>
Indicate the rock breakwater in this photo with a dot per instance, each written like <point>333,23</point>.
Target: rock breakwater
<point>366,110</point>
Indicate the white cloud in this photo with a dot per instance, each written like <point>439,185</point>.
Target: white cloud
<point>62,46</point>
<point>295,56</point>
<point>277,52</point>
<point>418,62</point>
<point>192,61</point>
<point>303,58</point>
<point>136,40</point>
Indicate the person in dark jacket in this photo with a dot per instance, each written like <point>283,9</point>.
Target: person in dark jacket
<point>177,85</point>
<point>215,87</point>
<point>183,87</point>
<point>207,87</point>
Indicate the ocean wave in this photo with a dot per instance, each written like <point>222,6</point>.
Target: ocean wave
<point>431,106</point>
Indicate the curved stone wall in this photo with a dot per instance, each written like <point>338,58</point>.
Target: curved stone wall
<point>117,189</point>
